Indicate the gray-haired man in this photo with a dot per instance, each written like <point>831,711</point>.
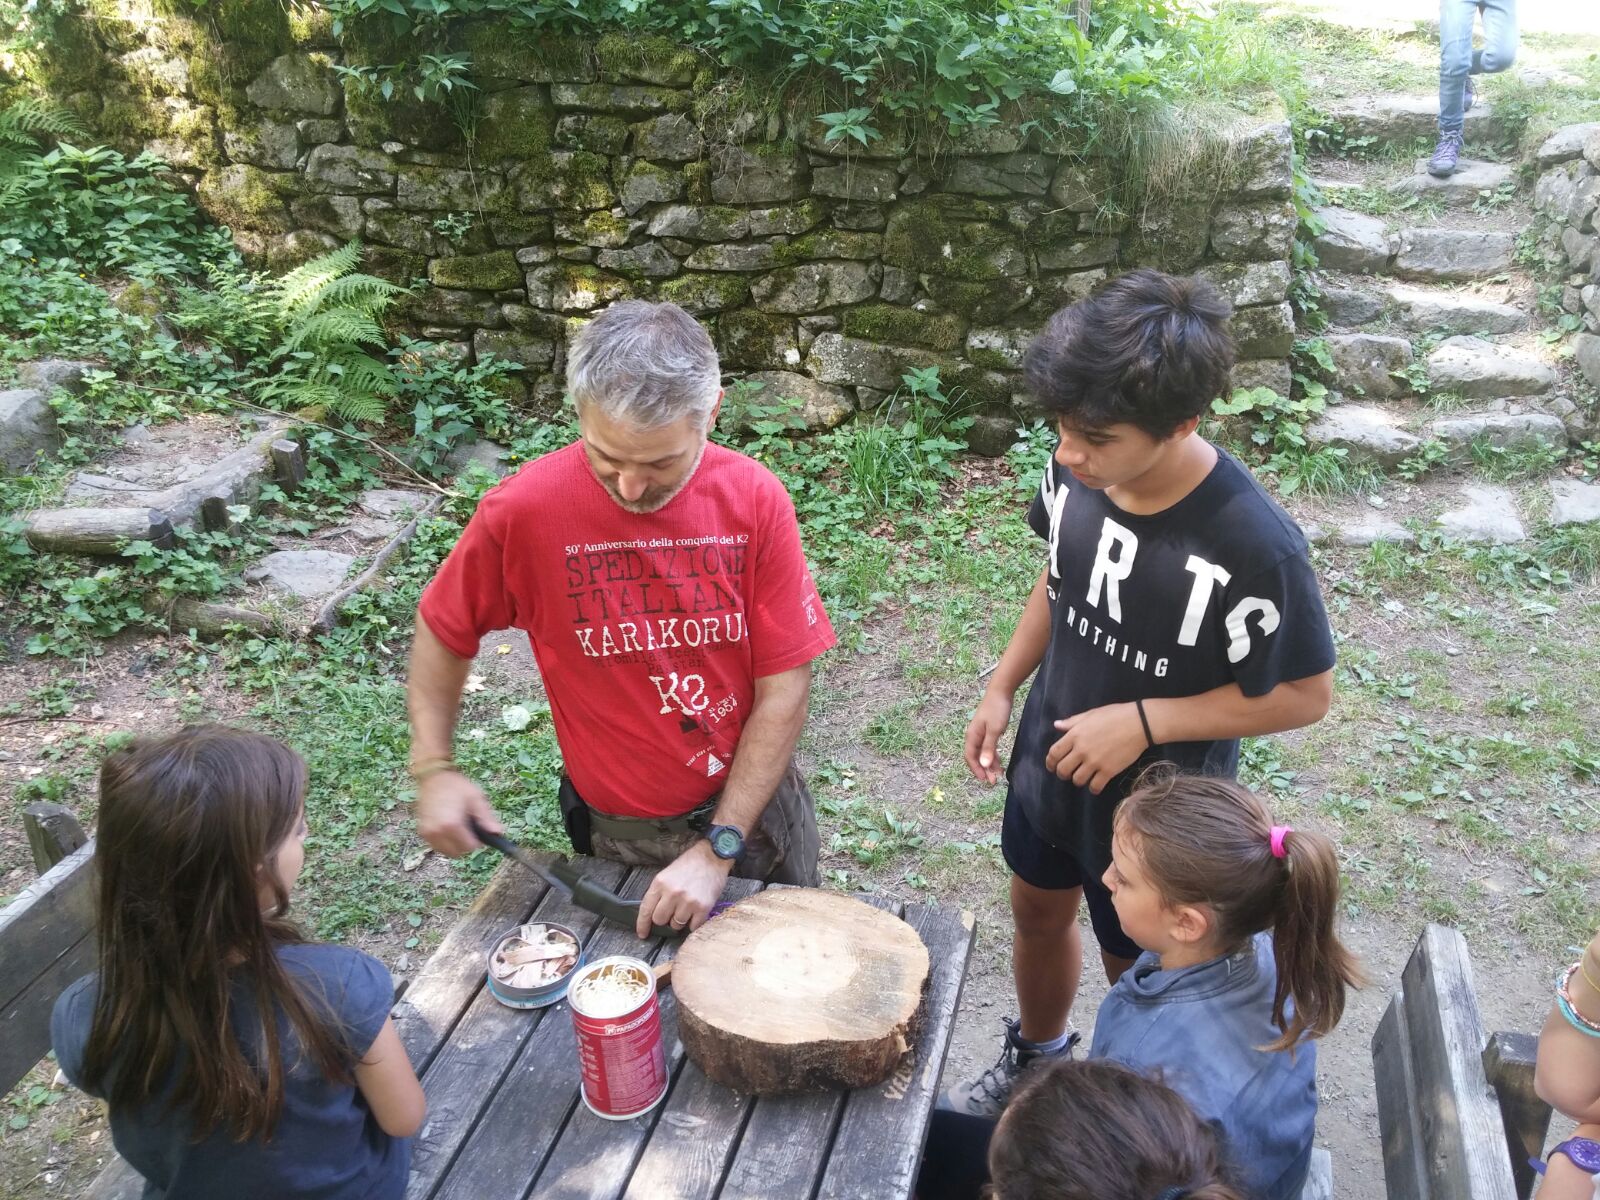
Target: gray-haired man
<point>661,583</point>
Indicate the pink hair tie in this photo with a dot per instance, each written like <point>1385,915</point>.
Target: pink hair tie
<point>1278,832</point>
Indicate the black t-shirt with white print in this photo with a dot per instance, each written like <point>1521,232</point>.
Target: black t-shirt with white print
<point>1216,589</point>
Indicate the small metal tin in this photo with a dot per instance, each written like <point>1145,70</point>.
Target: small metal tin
<point>535,997</point>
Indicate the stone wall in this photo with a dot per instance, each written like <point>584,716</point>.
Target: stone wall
<point>626,168</point>
<point>1568,193</point>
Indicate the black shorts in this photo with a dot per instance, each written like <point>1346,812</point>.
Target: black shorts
<point>1040,864</point>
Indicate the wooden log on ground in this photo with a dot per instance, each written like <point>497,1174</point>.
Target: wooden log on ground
<point>797,989</point>
<point>53,833</point>
<point>288,464</point>
<point>97,530</point>
<point>1508,1061</point>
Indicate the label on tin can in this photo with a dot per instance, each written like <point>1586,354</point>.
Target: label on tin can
<point>618,1024</point>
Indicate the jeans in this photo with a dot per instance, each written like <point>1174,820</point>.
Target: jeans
<point>1457,58</point>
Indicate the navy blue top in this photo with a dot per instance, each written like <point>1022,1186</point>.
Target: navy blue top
<point>1198,1029</point>
<point>1216,589</point>
<point>327,1145</point>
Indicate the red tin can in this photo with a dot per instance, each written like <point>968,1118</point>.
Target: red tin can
<point>618,1023</point>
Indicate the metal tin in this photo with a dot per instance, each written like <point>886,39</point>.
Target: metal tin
<point>624,1063</point>
<point>535,997</point>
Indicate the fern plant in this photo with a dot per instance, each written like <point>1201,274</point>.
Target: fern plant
<point>328,315</point>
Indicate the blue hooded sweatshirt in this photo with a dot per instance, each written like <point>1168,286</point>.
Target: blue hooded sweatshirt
<point>1199,1028</point>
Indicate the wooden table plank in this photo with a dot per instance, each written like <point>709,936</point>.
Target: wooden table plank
<point>785,1143</point>
<point>453,974</point>
<point>879,1143</point>
<point>594,1158</point>
<point>462,1078</point>
<point>507,1149</point>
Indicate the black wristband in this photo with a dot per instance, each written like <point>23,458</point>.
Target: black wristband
<point>1149,738</point>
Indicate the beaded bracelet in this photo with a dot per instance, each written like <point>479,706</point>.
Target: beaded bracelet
<point>1569,1010</point>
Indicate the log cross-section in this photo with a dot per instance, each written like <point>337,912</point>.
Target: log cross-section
<point>796,989</point>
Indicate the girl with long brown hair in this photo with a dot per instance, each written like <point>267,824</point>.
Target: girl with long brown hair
<point>1242,968</point>
<point>236,1058</point>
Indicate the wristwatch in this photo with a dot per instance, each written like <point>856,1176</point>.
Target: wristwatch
<point>1583,1152</point>
<point>727,842</point>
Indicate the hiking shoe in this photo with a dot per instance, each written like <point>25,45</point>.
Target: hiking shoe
<point>1445,156</point>
<point>988,1094</point>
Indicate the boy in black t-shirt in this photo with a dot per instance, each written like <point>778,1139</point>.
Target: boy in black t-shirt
<point>1177,613</point>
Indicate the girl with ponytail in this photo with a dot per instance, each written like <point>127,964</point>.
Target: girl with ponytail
<point>1242,968</point>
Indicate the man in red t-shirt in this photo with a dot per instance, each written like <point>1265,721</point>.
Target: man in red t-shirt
<point>661,583</point>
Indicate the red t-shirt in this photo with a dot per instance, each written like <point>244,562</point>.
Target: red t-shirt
<point>650,630</point>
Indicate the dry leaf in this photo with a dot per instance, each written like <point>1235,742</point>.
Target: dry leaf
<point>413,861</point>
<point>475,683</point>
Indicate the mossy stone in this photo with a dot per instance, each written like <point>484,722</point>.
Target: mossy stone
<point>707,292</point>
<point>70,59</point>
<point>592,132</point>
<point>697,182</point>
<point>749,337</point>
<point>982,302</point>
<point>905,326</point>
<point>372,120</point>
<point>936,237</point>
<point>654,60</point>
<point>572,179</point>
<point>246,197</point>
<point>511,55</point>
<point>490,272</point>
<point>516,124</point>
<point>830,243</point>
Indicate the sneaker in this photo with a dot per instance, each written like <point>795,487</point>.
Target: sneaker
<point>1470,97</point>
<point>1445,156</point>
<point>988,1094</point>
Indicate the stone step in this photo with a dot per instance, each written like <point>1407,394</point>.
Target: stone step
<point>1480,370</point>
<point>1403,120</point>
<point>1503,430</point>
<point>1472,177</point>
<point>1420,310</point>
<point>1368,433</point>
<point>1352,241</point>
<point>1425,310</point>
<point>167,477</point>
<point>1487,513</point>
<point>1365,363</point>
<point>1452,254</point>
<point>1573,502</point>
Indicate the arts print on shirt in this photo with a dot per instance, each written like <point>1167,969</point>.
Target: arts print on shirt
<point>1116,556</point>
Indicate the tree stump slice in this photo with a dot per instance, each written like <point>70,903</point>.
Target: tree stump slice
<point>796,990</point>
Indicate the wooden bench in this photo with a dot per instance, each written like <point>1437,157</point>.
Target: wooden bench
<point>1456,1107</point>
<point>47,941</point>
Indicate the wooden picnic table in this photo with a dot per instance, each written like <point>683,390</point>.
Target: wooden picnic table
<point>504,1117</point>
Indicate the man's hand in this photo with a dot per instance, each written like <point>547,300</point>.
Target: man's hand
<point>984,731</point>
<point>683,893</point>
<point>1098,745</point>
<point>445,802</point>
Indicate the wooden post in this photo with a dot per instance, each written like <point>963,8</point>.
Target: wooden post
<point>1083,17</point>
<point>289,464</point>
<point>214,516</point>
<point>53,833</point>
<point>1508,1061</point>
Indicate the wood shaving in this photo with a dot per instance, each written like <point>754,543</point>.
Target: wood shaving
<point>534,956</point>
<point>611,991</point>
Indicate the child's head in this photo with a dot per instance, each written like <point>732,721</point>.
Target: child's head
<point>200,839</point>
<point>1100,1131</point>
<point>206,820</point>
<point>1130,370</point>
<point>1198,866</point>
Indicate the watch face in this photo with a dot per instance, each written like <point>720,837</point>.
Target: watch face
<point>1583,1152</point>
<point>726,841</point>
